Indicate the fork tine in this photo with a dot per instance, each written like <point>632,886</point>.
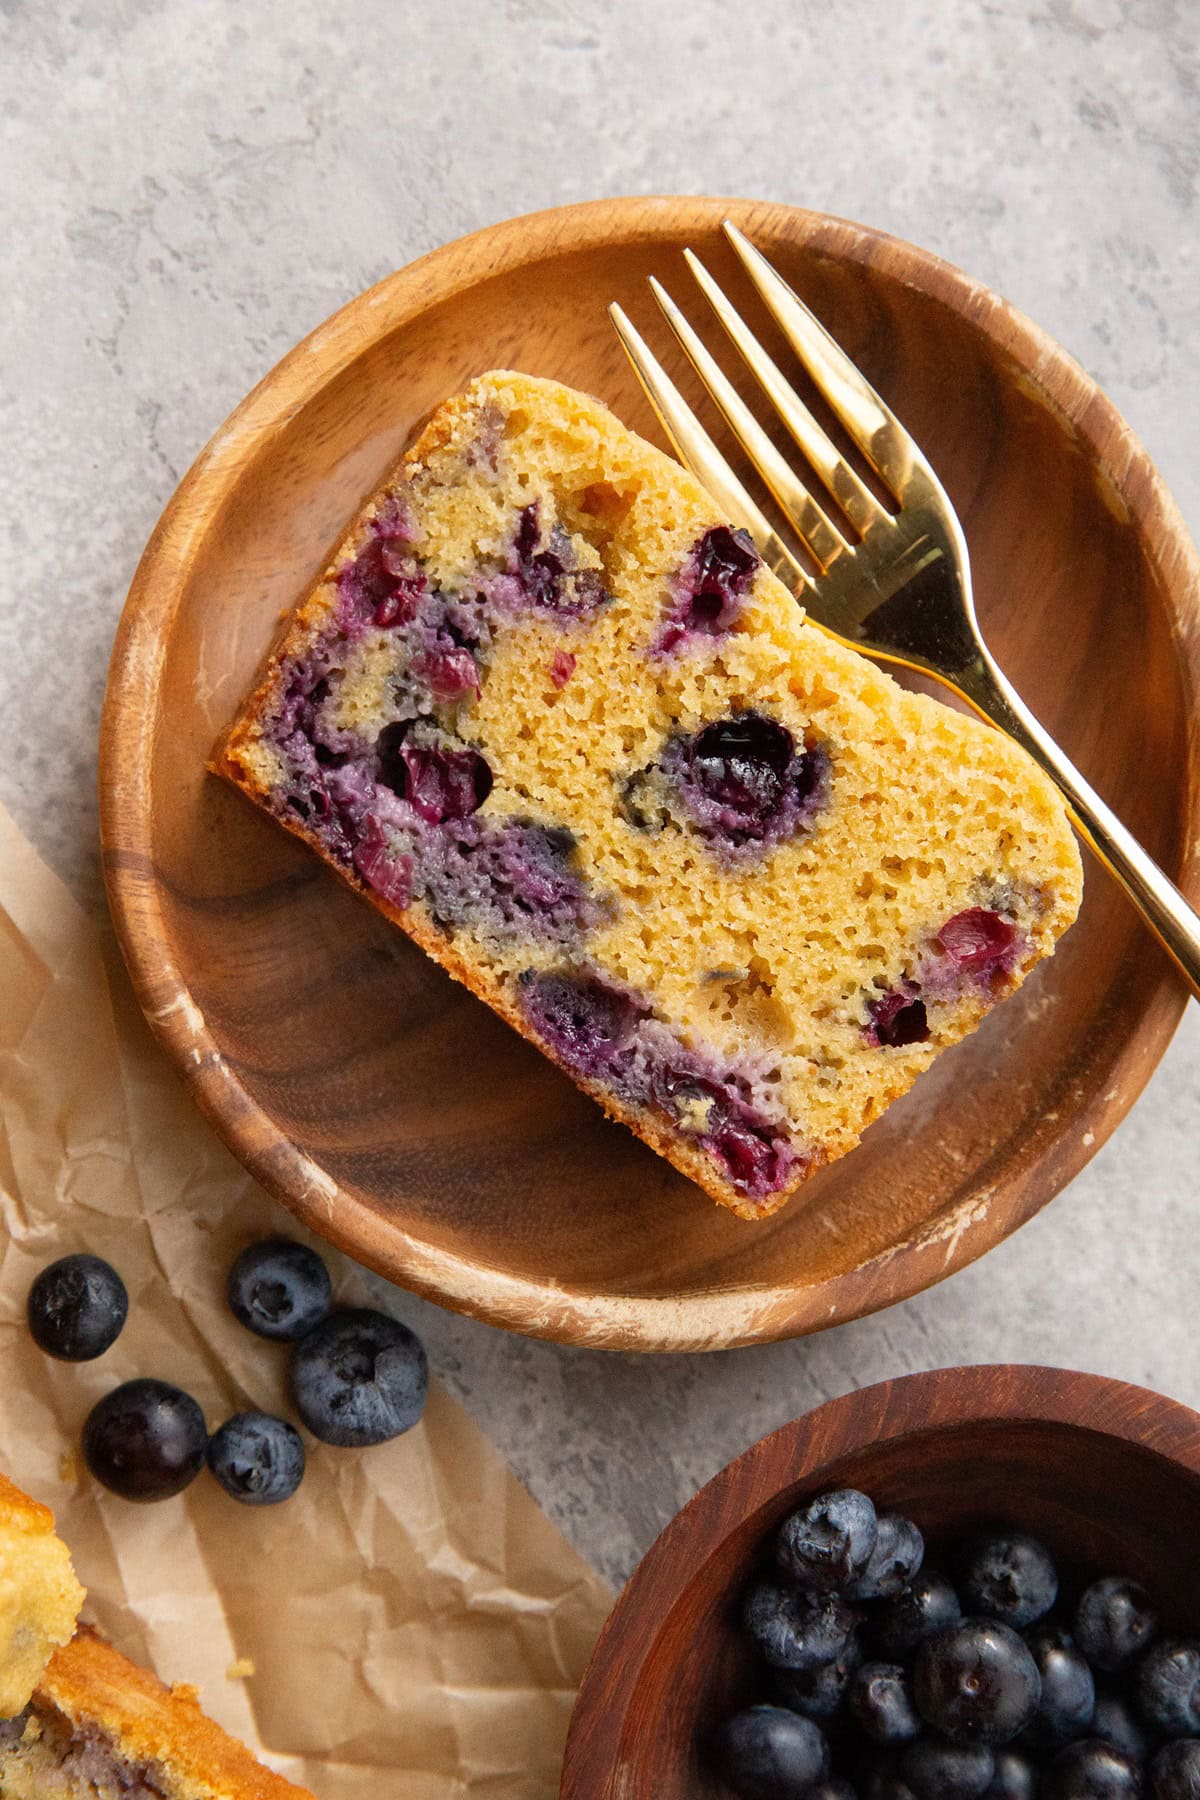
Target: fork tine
<point>852,494</point>
<point>697,450</point>
<point>873,426</point>
<point>801,510</point>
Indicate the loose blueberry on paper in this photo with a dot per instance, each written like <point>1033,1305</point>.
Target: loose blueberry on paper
<point>279,1289</point>
<point>257,1458</point>
<point>357,1378</point>
<point>77,1308</point>
<point>145,1440</point>
<point>880,1679</point>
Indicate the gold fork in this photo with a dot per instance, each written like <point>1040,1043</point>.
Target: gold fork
<point>865,591</point>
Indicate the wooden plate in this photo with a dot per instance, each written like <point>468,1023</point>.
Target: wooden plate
<point>1107,1475</point>
<point>388,1108</point>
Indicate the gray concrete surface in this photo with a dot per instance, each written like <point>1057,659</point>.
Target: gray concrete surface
<point>190,185</point>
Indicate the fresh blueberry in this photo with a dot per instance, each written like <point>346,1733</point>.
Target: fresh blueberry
<point>898,1554</point>
<point>145,1440</point>
<point>976,1682</point>
<point>279,1289</point>
<point>1009,1576</point>
<point>834,1787</point>
<point>1115,1623</point>
<point>882,1780</point>
<point>818,1693</point>
<point>77,1307</point>
<point>794,1629</point>
<point>1068,1691</point>
<point>257,1458</point>
<point>1015,1777</point>
<point>918,1610</point>
<point>769,1753</point>
<point>828,1542</point>
<point>1166,1687</point>
<point>1115,1722</point>
<point>935,1770</point>
<point>1175,1771</point>
<point>1090,1770</point>
<point>359,1378</point>
<point>880,1699</point>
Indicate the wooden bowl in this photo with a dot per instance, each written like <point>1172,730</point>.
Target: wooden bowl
<point>1107,1475</point>
<point>388,1108</point>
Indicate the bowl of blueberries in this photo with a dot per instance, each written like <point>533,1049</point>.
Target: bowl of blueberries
<point>971,1584</point>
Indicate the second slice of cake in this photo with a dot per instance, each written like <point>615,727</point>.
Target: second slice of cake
<point>551,714</point>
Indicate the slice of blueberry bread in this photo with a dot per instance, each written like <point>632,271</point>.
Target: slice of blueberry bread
<point>554,717</point>
<point>98,1727</point>
<point>79,1721</point>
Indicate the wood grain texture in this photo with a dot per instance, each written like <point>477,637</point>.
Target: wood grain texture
<point>392,1111</point>
<point>1106,1474</point>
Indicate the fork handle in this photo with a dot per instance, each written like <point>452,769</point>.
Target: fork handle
<point>1168,914</point>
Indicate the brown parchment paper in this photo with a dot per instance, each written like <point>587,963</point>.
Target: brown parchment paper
<point>415,1624</point>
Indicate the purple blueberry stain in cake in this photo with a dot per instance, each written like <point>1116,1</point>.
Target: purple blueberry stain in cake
<point>534,863</point>
<point>753,1151</point>
<point>404,815</point>
<point>449,670</point>
<point>584,1021</point>
<point>757,1163</point>
<point>386,870</point>
<point>400,806</point>
<point>744,782</point>
<point>707,593</point>
<point>444,784</point>
<point>372,592</point>
<point>511,878</point>
<point>483,448</point>
<point>91,1759</point>
<point>898,1018</point>
<point>401,604</point>
<point>604,1032</point>
<point>394,521</point>
<point>976,948</point>
<point>547,571</point>
<point>978,940</point>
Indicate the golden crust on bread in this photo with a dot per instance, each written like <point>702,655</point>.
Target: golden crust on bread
<point>90,1691</point>
<point>39,1595</point>
<point>79,1721</point>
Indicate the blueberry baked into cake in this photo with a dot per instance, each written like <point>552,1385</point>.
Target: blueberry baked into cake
<point>79,1721</point>
<point>552,715</point>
